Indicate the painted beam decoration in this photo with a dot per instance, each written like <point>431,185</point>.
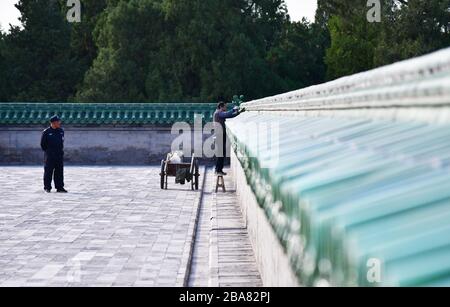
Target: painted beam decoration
<point>354,175</point>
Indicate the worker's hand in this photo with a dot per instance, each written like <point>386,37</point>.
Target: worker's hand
<point>242,110</point>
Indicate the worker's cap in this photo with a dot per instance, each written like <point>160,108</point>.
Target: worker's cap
<point>55,119</point>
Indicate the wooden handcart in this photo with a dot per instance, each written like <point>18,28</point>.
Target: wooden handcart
<point>169,169</point>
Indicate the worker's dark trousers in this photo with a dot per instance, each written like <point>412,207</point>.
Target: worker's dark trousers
<point>221,152</point>
<point>54,168</point>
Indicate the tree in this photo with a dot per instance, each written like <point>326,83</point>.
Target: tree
<point>38,55</point>
<point>266,19</point>
<point>353,38</point>
<point>160,50</point>
<point>172,50</point>
<point>298,58</point>
<point>196,50</point>
<point>3,68</point>
<point>408,29</point>
<point>83,47</point>
<point>412,28</point>
<point>129,38</point>
<point>352,47</point>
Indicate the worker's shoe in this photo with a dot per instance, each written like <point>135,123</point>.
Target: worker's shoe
<point>62,191</point>
<point>221,173</point>
<point>47,190</point>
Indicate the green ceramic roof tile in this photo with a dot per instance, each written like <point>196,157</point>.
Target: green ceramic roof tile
<point>104,114</point>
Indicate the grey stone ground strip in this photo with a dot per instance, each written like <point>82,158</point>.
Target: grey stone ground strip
<point>199,272</point>
<point>183,274</point>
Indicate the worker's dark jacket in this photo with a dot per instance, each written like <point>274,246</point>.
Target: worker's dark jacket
<point>220,118</point>
<point>52,143</point>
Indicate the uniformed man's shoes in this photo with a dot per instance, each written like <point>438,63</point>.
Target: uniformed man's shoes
<point>47,190</point>
<point>62,191</point>
<point>221,173</point>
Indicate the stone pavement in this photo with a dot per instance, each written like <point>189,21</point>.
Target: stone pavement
<point>223,255</point>
<point>115,228</point>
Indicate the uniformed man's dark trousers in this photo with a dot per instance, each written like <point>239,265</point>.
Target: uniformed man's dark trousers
<point>54,168</point>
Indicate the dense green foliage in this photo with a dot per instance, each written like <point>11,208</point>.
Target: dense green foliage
<point>196,50</point>
<point>38,57</point>
<point>408,28</point>
<point>192,50</point>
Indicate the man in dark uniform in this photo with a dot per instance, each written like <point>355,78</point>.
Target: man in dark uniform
<point>52,143</point>
<point>220,117</point>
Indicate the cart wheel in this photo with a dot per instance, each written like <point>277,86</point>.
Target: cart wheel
<point>162,174</point>
<point>196,174</point>
<point>194,183</point>
<point>193,176</point>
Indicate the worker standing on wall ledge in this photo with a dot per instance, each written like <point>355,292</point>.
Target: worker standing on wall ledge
<point>52,143</point>
<point>220,117</point>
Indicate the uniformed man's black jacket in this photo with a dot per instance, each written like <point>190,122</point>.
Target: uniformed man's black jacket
<point>52,142</point>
